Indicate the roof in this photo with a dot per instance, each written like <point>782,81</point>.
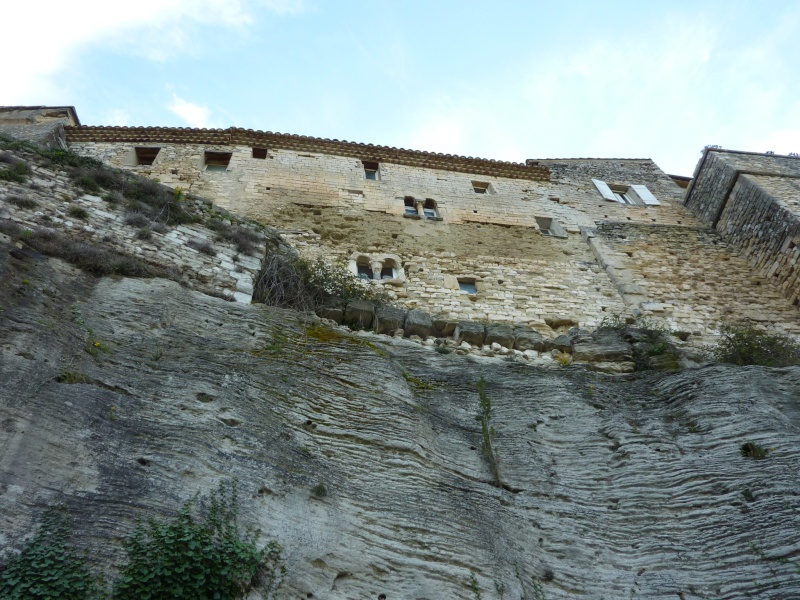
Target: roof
<point>235,136</point>
<point>70,111</point>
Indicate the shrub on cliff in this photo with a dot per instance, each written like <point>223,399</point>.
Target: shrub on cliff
<point>199,554</point>
<point>199,558</point>
<point>744,344</point>
<point>287,280</point>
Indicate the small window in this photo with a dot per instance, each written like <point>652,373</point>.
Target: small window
<point>146,156</point>
<point>468,286</point>
<point>550,227</point>
<point>387,272</point>
<point>217,161</point>
<point>481,187</point>
<point>364,271</point>
<point>259,152</point>
<point>429,209</point>
<point>411,206</point>
<point>371,170</point>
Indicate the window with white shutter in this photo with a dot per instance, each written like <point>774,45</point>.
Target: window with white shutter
<point>625,194</point>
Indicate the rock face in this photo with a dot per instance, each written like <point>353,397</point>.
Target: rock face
<point>610,486</point>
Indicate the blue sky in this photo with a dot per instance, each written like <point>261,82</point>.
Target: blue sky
<point>505,80</point>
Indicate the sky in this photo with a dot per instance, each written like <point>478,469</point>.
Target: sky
<point>507,80</point>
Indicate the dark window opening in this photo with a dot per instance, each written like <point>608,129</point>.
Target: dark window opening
<point>411,206</point>
<point>387,272</point>
<point>480,187</point>
<point>429,209</point>
<point>259,152</point>
<point>146,156</point>
<point>371,170</point>
<point>364,272</point>
<point>217,161</point>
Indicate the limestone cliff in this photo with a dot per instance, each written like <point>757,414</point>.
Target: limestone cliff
<point>611,486</point>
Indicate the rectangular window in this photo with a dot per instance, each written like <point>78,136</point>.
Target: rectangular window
<point>371,170</point>
<point>468,286</point>
<point>387,273</point>
<point>217,161</point>
<point>146,156</point>
<point>259,152</point>
<point>625,194</point>
<point>550,227</point>
<point>481,187</point>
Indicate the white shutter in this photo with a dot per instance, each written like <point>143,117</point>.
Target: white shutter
<point>645,194</point>
<point>604,190</point>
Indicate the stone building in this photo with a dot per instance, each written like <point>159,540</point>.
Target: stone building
<point>549,244</point>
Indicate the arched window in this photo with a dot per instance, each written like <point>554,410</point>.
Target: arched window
<point>411,206</point>
<point>429,208</point>
<point>363,268</point>
<point>389,269</point>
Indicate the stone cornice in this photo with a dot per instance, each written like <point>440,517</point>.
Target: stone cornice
<point>235,136</point>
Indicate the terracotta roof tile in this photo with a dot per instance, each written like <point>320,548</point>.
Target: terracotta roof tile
<point>248,137</point>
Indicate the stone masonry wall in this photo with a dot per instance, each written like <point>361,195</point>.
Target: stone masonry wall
<point>255,187</point>
<point>324,205</point>
<point>695,281</point>
<point>753,201</point>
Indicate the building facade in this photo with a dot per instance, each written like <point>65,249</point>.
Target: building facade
<point>549,244</point>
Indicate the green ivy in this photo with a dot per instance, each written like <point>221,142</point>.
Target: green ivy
<point>198,558</point>
<point>188,557</point>
<point>48,568</point>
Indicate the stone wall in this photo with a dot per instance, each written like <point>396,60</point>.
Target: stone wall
<point>325,206</point>
<point>753,200</point>
<point>693,280</point>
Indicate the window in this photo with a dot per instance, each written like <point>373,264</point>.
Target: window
<point>146,156</point>
<point>411,207</point>
<point>217,161</point>
<point>429,209</point>
<point>625,194</point>
<point>371,170</point>
<point>259,152</point>
<point>468,286</point>
<point>550,227</point>
<point>481,187</point>
<point>364,271</point>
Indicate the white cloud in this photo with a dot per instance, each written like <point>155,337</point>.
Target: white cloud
<point>194,114</point>
<point>51,38</point>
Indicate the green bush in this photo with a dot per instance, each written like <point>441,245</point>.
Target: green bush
<point>18,172</point>
<point>744,344</point>
<point>199,558</point>
<point>753,450</point>
<point>184,558</point>
<point>47,568</point>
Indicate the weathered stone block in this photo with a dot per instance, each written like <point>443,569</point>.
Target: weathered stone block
<point>602,347</point>
<point>470,332</point>
<point>443,327</point>
<point>499,334</point>
<point>418,323</point>
<point>562,343</point>
<point>527,339</point>
<point>359,313</point>
<point>333,313</point>
<point>388,319</point>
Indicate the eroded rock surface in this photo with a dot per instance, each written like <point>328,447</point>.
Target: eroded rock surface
<point>611,486</point>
